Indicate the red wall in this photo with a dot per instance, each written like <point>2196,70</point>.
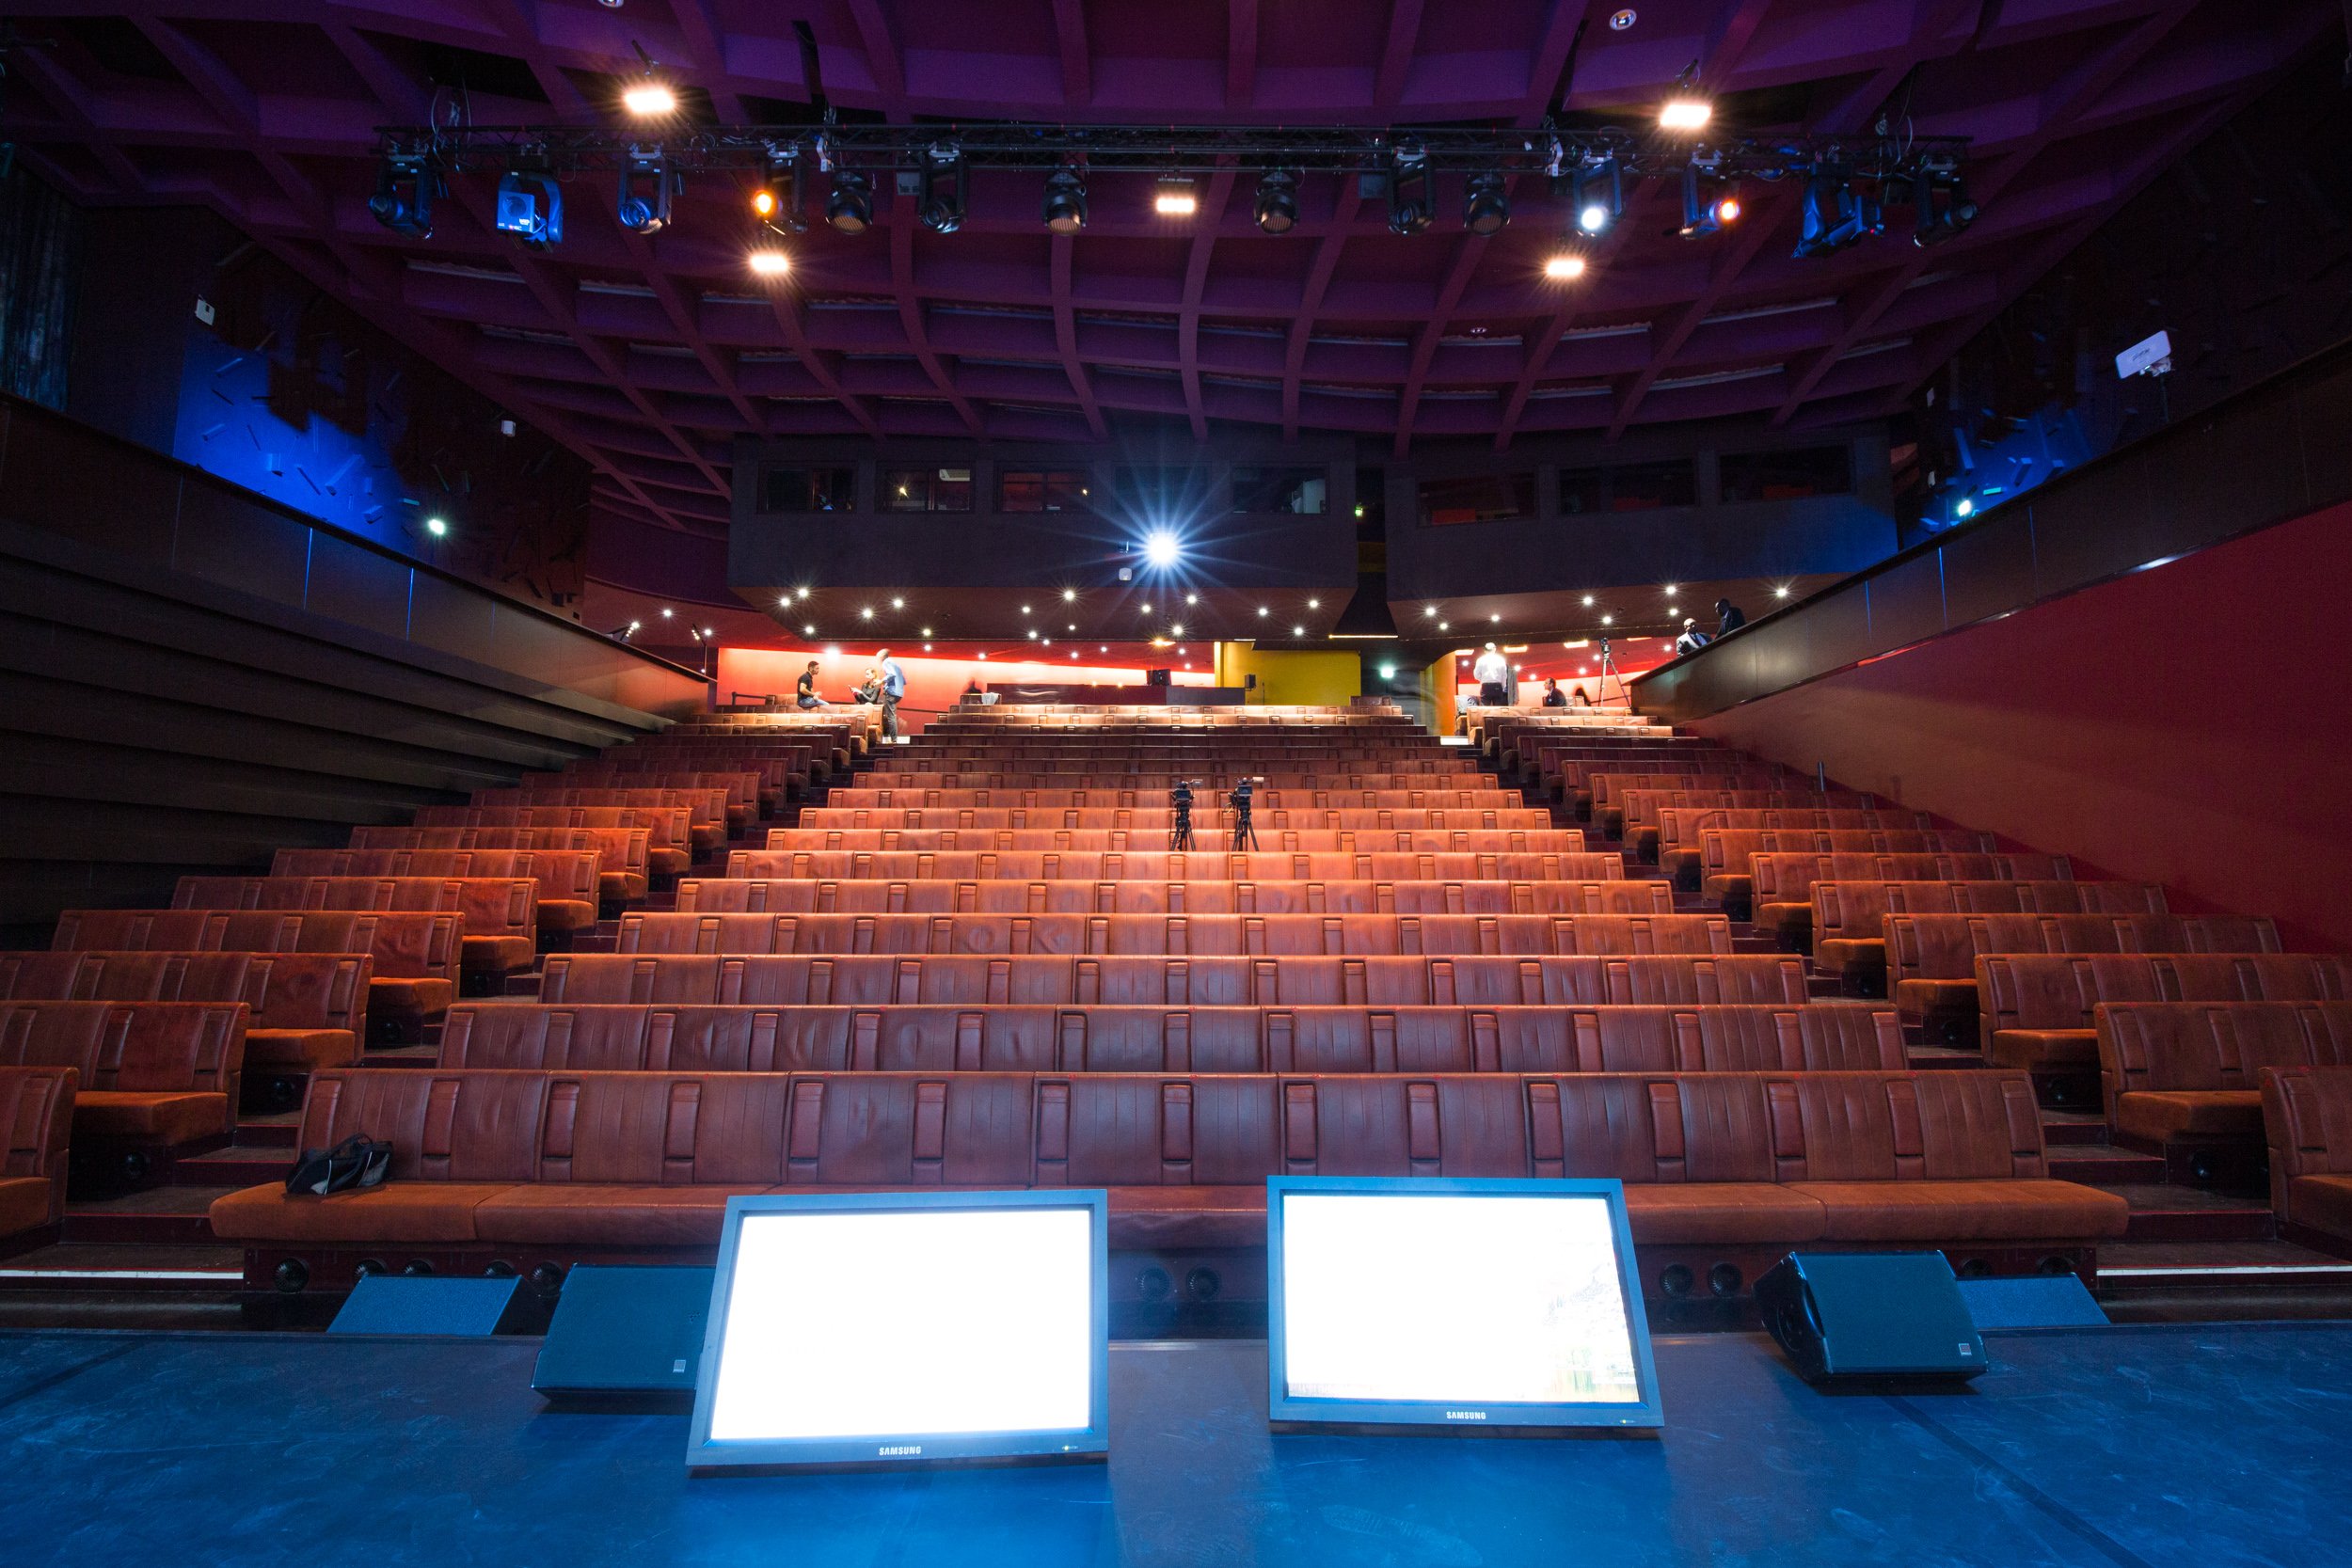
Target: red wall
<point>2190,726</point>
<point>933,685</point>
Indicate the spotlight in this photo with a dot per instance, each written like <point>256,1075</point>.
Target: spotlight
<point>1175,197</point>
<point>1409,188</point>
<point>1277,202</point>
<point>925,632</point>
<point>667,612</point>
<point>1942,208</point>
<point>531,207</point>
<point>1486,203</point>
<point>867,614</point>
<point>803,593</point>
<point>1065,205</point>
<point>1175,631</point>
<point>1707,204</point>
<point>1965,508</point>
<point>776,200</point>
<point>1588,601</point>
<point>1670,590</point>
<point>927,648</point>
<point>768,262</point>
<point>851,206</point>
<point>404,189</point>
<point>1429,610</point>
<point>1597,195</point>
<point>1444,626</point>
<point>1685,111</point>
<point>808,631</point>
<point>1835,215</point>
<point>1192,598</point>
<point>1564,267</point>
<point>1025,610</point>
<point>649,99</point>
<point>1609,620</point>
<point>1387,672</point>
<point>1160,549</point>
<point>436,527</point>
<point>1298,632</point>
<point>898,604</point>
<point>1314,604</point>
<point>1263,611</point>
<point>945,188</point>
<point>1781,593</point>
<point>1069,595</point>
<point>1032,634</point>
<point>647,186</point>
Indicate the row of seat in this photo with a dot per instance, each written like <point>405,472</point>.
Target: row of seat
<point>1091,866</point>
<point>1286,841</point>
<point>678,931</point>
<point>305,1010</point>
<point>500,915</point>
<point>2189,1072</point>
<point>1142,784</point>
<point>525,1168</point>
<point>1818,1038</point>
<point>1161,819</point>
<point>894,895</point>
<point>151,1075</point>
<point>1931,959</point>
<point>874,979</point>
<point>1128,796</point>
<point>36,1116</point>
<point>623,855</point>
<point>669,831</point>
<point>571,881</point>
<point>2038,1012</point>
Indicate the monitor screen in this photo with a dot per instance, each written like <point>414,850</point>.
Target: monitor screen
<point>1465,1304</point>
<point>906,1327</point>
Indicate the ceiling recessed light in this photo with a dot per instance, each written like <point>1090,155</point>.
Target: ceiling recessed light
<point>1069,595</point>
<point>1780,592</point>
<point>927,648</point>
<point>927,631</point>
<point>1588,601</point>
<point>808,631</point>
<point>666,612</point>
<point>1032,634</point>
<point>1567,264</point>
<point>1192,598</point>
<point>866,613</point>
<point>1670,590</point>
<point>1175,631</point>
<point>1025,610</point>
<point>1314,604</point>
<point>803,593</point>
<point>1263,611</point>
<point>1609,620</point>
<point>1298,632</point>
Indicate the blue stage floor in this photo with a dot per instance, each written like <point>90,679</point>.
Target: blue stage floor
<point>2188,1446</point>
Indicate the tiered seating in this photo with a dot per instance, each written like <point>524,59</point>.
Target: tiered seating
<point>2175,1072</point>
<point>501,913</point>
<point>37,1109</point>
<point>1931,959</point>
<point>1331,935</point>
<point>306,1011</point>
<point>152,1078</point>
<point>2306,1119</point>
<point>1606,895</point>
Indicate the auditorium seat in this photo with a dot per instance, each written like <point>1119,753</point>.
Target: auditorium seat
<point>1845,917</point>
<point>36,1113</point>
<point>1680,829</point>
<point>1410,840</point>
<point>1010,896</point>
<point>1931,957</point>
<point>151,1075</point>
<point>706,809</point>
<point>1644,808</point>
<point>1332,934</point>
<point>570,879</point>
<point>1159,865</point>
<point>1302,1039</point>
<point>669,830</point>
<point>625,863</point>
<point>2307,1122</point>
<point>309,1010</point>
<point>1160,820</point>
<point>2038,1011</point>
<point>501,913</point>
<point>2180,1071</point>
<point>1723,1170</point>
<point>1725,853</point>
<point>876,979</point>
<point>414,954</point>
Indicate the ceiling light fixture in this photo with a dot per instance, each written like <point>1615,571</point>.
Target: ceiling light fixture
<point>851,206</point>
<point>1276,208</point>
<point>1064,208</point>
<point>1564,267</point>
<point>1486,203</point>
<point>768,262</point>
<point>945,188</point>
<point>1175,197</point>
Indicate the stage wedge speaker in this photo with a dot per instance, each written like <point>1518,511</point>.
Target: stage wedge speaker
<point>626,1332</point>
<point>1843,1315</point>
<point>455,1307</point>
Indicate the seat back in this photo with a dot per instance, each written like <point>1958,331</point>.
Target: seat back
<point>124,977</point>
<point>36,1119</point>
<point>737,894</point>
<point>404,945</point>
<point>136,1047</point>
<point>1856,908</point>
<point>562,873</point>
<point>492,906</point>
<point>2175,1046</point>
<point>1944,946</point>
<point>2019,991</point>
<point>2307,1121</point>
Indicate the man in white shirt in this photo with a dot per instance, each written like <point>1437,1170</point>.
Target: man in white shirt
<point>1692,640</point>
<point>1493,674</point>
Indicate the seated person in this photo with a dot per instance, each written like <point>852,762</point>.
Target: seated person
<point>1553,696</point>
<point>806,694</point>
<point>870,690</point>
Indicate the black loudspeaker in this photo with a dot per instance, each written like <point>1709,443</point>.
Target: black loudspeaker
<point>631,1332</point>
<point>1157,677</point>
<point>1843,1315</point>
<point>423,1304</point>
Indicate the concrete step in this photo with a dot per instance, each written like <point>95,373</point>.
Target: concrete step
<point>176,1215</point>
<point>2102,1165</point>
<point>2165,1213</point>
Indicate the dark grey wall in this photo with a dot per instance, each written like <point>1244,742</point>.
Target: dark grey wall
<point>191,678</point>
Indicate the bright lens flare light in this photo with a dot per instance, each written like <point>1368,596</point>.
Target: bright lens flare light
<point>648,99</point>
<point>1160,547</point>
<point>769,262</point>
<point>1564,267</point>
<point>1727,210</point>
<point>1685,113</point>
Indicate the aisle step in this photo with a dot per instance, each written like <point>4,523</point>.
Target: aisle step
<point>2163,1214</point>
<point>173,1214</point>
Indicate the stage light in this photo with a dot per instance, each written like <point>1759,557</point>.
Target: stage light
<point>1964,508</point>
<point>1670,590</point>
<point>1025,610</point>
<point>1032,634</point>
<point>404,189</point>
<point>1276,207</point>
<point>851,206</point>
<point>1175,197</point>
<point>1071,627</point>
<point>1685,111</point>
<point>1609,620</point>
<point>768,262</point>
<point>1942,208</point>
<point>808,631</point>
<point>1429,610</point>
<point>531,207</point>
<point>898,604</point>
<point>666,612</point>
<point>946,192</point>
<point>1298,632</point>
<point>435,526</point>
<point>1566,266</point>
<point>925,632</point>
<point>1486,203</point>
<point>1192,598</point>
<point>1596,194</point>
<point>1264,612</point>
<point>1049,642</point>
<point>1102,647</point>
<point>647,186</point>
<point>1496,619</point>
<point>927,648</point>
<point>1387,672</point>
<point>776,200</point>
<point>1707,204</point>
<point>1443,625</point>
<point>1175,631</point>
<point>1835,215</point>
<point>1064,208</point>
<point>1160,549</point>
<point>979,655</point>
<point>649,99</point>
<point>784,603</point>
<point>1409,189</point>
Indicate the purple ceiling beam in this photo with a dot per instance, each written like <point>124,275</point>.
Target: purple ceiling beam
<point>1219,193</point>
<point>1065,337</point>
<point>1397,54</point>
<point>1241,55</point>
<point>903,228</point>
<point>1561,18</point>
<point>1077,73</point>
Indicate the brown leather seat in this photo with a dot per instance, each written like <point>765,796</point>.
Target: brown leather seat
<point>2191,1070</point>
<point>149,1072</point>
<point>1162,866</point>
<point>1161,819</point>
<point>669,830</point>
<point>1272,840</point>
<point>1846,917</point>
<point>624,853</point>
<point>308,1010</point>
<point>36,1113</point>
<point>2307,1121</point>
<point>501,913</point>
<point>2038,1009</point>
<point>1725,853</point>
<point>1005,896</point>
<point>1931,957</point>
<point>570,880</point>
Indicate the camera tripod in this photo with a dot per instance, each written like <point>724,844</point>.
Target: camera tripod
<point>1244,833</point>
<point>1609,668</point>
<point>1180,831</point>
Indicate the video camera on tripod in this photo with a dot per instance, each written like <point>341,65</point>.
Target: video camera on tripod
<point>1179,803</point>
<point>1244,832</point>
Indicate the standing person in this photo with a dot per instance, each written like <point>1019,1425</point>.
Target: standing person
<point>805,693</point>
<point>1552,697</point>
<point>1493,675</point>
<point>894,686</point>
<point>1692,640</point>
<point>1734,617</point>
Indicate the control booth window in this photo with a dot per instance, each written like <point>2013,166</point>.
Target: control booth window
<point>1788,476</point>
<point>1477,499</point>
<point>927,490</point>
<point>808,490</point>
<point>1302,490</point>
<point>1630,488</point>
<point>1043,490</point>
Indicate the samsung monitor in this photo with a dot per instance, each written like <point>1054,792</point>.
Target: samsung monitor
<point>861,1329</point>
<point>1474,1306</point>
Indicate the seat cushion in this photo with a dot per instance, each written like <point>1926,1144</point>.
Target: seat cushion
<point>1680,862</point>
<point>667,860</point>
<point>595,1215</point>
<point>396,1211</point>
<point>1668,1213</point>
<point>566,914</point>
<point>1987,1211</point>
<point>619,887</point>
<point>2047,1050</point>
<point>2161,1116</point>
<point>1916,999</point>
<point>305,1049</point>
<point>498,954</point>
<point>1156,1218</point>
<point>1730,887</point>
<point>1844,955</point>
<point>149,1118</point>
<point>24,1203</point>
<point>2322,1202</point>
<point>399,998</point>
<point>1791,923</point>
